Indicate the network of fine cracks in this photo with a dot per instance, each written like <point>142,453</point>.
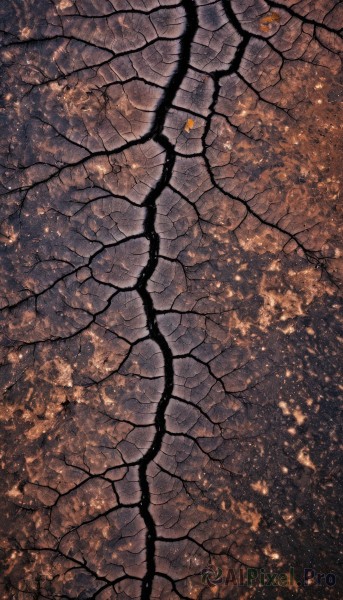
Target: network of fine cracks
<point>132,177</point>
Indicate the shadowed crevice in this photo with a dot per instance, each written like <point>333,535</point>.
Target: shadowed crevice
<point>143,281</point>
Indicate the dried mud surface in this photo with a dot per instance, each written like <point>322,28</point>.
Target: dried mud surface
<point>171,264</point>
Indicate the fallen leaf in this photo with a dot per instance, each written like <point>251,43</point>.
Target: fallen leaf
<point>272,17</point>
<point>189,125</point>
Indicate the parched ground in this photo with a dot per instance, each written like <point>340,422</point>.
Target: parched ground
<point>170,229</point>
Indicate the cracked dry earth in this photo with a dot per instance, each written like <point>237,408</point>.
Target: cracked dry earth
<point>170,266</point>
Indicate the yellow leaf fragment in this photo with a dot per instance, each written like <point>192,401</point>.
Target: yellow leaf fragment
<point>271,17</point>
<point>189,125</point>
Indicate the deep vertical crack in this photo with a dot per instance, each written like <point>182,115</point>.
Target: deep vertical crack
<point>142,283</point>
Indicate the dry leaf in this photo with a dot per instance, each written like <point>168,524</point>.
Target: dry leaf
<point>189,125</point>
<point>272,17</point>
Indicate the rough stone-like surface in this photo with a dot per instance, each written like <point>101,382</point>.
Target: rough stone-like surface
<point>170,267</point>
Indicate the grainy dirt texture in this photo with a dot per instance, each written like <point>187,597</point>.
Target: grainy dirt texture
<point>170,267</point>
